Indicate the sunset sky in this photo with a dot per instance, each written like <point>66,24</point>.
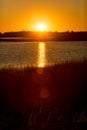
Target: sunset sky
<point>56,15</point>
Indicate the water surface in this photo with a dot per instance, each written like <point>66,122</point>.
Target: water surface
<point>41,53</point>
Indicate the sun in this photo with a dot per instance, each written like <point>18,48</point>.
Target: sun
<point>41,27</point>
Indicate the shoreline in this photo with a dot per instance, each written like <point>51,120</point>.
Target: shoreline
<point>36,40</point>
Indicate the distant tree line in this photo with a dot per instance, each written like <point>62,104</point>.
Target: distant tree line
<point>57,36</point>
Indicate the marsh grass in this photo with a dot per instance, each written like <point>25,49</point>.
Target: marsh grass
<point>53,97</point>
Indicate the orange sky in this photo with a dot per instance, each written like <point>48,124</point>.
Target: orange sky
<point>57,15</point>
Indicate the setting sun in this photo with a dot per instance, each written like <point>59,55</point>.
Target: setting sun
<point>41,27</point>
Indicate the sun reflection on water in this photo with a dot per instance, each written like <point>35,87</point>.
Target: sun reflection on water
<point>41,55</point>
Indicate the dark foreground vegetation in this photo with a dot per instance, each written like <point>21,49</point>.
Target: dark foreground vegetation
<point>43,36</point>
<point>54,97</point>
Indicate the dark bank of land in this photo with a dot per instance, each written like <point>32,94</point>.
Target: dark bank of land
<point>43,36</point>
<point>54,97</point>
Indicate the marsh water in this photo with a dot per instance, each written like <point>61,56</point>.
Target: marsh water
<point>41,53</point>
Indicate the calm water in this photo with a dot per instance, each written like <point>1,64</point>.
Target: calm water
<point>40,53</point>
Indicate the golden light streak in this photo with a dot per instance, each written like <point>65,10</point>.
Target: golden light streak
<point>41,55</point>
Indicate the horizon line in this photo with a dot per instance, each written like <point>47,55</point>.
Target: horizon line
<point>69,31</point>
